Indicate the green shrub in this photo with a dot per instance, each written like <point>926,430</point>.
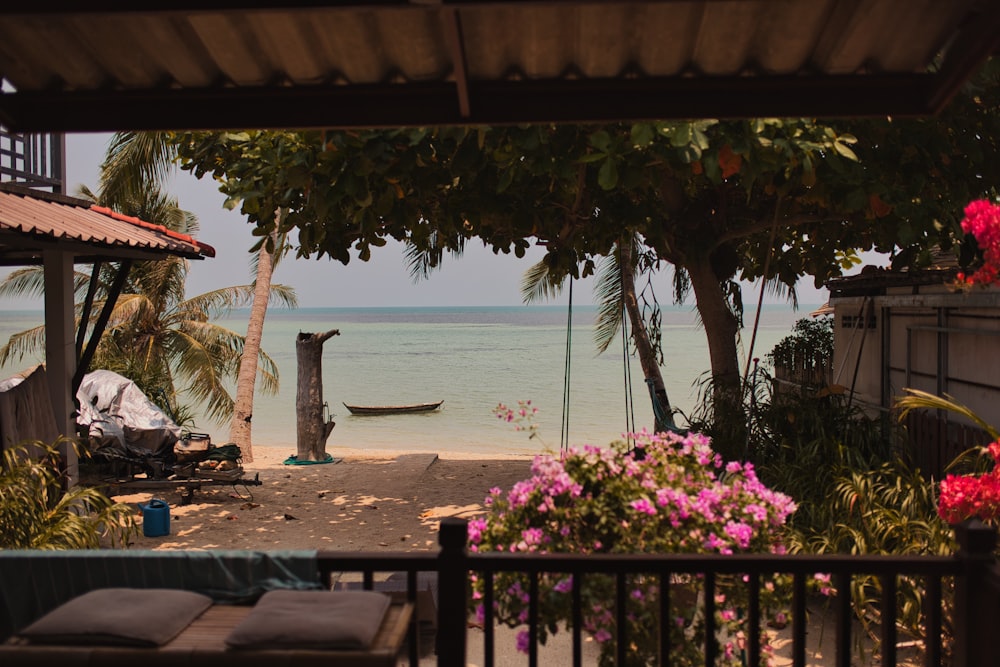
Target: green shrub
<point>37,513</point>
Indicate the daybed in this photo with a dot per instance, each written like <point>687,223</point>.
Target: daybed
<point>191,608</point>
<point>203,642</point>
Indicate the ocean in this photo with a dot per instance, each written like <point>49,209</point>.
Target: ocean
<point>472,358</point>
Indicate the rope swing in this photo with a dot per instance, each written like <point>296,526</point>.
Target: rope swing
<point>629,401</point>
<point>564,431</point>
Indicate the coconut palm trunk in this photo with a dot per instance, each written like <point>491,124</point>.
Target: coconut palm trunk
<point>240,429</point>
<point>662,414</point>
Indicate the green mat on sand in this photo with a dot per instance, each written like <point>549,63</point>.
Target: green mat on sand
<point>293,460</point>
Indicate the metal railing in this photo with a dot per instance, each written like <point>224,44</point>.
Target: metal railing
<point>972,571</point>
<point>33,160</point>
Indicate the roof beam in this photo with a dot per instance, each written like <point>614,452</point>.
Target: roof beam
<point>503,102</point>
<point>974,43</point>
<point>453,29</point>
<point>45,7</point>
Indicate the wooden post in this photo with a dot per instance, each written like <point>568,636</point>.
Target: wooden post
<point>60,353</point>
<point>311,429</point>
<point>453,577</point>
<point>977,599</point>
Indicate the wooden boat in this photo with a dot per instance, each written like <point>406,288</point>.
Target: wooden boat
<point>392,409</point>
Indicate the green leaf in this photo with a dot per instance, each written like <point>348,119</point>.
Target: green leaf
<point>681,135</point>
<point>600,140</point>
<point>607,177</point>
<point>845,151</point>
<point>506,178</point>
<point>642,134</point>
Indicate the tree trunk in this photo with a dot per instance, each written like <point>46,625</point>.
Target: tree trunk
<point>240,427</point>
<point>662,413</point>
<point>312,429</point>
<point>721,327</point>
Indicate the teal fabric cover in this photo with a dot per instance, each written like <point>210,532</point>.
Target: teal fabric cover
<point>33,583</point>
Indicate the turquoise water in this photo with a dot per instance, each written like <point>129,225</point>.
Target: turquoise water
<point>472,359</point>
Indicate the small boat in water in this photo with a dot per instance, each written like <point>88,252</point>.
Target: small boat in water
<point>392,409</point>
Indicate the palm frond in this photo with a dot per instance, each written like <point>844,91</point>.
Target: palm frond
<point>283,295</point>
<point>28,281</point>
<point>420,263</point>
<point>539,284</point>
<point>205,355</point>
<point>24,344</point>
<point>610,299</point>
<point>267,373</point>
<point>220,300</point>
<point>134,161</point>
<point>916,399</point>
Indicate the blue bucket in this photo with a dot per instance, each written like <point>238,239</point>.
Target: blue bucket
<point>155,518</point>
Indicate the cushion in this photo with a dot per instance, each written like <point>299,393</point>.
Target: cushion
<point>119,617</point>
<point>311,620</point>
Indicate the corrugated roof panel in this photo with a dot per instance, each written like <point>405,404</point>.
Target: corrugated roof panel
<point>725,37</point>
<point>290,44</point>
<point>251,64</point>
<point>786,34</point>
<point>666,37</point>
<point>34,217</point>
<point>188,67</point>
<point>232,45</point>
<point>115,50</point>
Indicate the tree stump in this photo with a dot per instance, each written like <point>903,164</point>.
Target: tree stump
<point>312,429</point>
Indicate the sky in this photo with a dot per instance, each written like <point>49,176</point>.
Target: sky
<point>477,278</point>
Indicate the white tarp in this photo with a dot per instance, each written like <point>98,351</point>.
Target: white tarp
<point>117,414</point>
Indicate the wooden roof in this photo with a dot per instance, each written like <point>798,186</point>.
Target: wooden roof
<point>32,222</point>
<point>173,64</point>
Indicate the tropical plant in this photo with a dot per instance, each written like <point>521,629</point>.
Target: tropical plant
<point>670,494</point>
<point>855,495</point>
<point>36,512</point>
<point>805,355</point>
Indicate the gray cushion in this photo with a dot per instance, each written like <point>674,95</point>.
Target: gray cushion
<point>119,617</point>
<point>311,620</point>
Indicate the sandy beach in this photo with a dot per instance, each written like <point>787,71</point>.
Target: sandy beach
<point>367,500</point>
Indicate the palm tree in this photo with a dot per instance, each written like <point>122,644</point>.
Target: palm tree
<point>155,336</point>
<point>263,263</point>
<point>135,159</point>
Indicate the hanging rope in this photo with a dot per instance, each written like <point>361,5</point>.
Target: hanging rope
<point>629,401</point>
<point>564,432</point>
<point>760,297</point>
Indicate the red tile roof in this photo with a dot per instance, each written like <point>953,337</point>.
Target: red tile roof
<point>32,221</point>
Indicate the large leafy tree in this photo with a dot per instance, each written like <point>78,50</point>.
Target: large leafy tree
<point>772,199</point>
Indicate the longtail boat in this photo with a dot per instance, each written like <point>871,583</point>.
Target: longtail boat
<point>392,409</point>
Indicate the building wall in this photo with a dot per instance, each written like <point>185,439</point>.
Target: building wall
<point>923,338</point>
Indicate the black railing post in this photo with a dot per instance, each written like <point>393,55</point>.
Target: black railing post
<point>453,578</point>
<point>976,605</point>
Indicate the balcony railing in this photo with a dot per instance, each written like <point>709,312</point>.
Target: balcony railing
<point>33,160</point>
